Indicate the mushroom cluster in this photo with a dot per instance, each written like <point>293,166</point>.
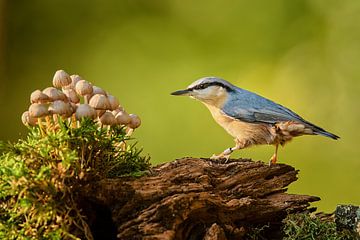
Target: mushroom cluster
<point>74,98</point>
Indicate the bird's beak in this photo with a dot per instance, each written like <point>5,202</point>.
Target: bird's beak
<point>185,92</point>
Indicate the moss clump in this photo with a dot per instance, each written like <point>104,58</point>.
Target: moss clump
<point>40,177</point>
<point>306,227</point>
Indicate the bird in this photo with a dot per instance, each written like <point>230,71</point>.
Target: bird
<point>248,117</point>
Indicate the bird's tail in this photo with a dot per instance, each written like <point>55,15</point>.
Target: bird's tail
<point>322,132</point>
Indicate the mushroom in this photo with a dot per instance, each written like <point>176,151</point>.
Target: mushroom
<point>83,88</point>
<point>61,108</point>
<point>98,90</point>
<point>71,95</point>
<point>99,102</point>
<point>55,94</point>
<point>74,80</point>
<point>38,110</point>
<point>84,110</point>
<point>38,97</point>
<point>61,79</point>
<point>122,118</point>
<point>28,120</point>
<point>114,103</point>
<point>135,121</point>
<point>107,119</point>
<point>117,110</point>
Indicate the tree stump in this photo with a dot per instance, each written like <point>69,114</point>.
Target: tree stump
<point>193,198</point>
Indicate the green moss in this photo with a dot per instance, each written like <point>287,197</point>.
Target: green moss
<point>306,227</point>
<point>40,176</point>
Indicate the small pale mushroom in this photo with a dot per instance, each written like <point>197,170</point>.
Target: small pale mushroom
<point>117,110</point>
<point>28,120</point>
<point>61,79</point>
<point>71,95</point>
<point>38,110</point>
<point>55,94</point>
<point>135,121</point>
<point>122,118</point>
<point>38,97</point>
<point>114,103</point>
<point>84,110</point>
<point>83,88</point>
<point>107,119</point>
<point>98,90</point>
<point>74,80</point>
<point>99,102</point>
<point>61,108</point>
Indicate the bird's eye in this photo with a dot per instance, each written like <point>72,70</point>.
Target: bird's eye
<point>202,86</point>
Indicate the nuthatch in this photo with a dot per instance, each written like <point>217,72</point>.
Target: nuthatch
<point>248,117</point>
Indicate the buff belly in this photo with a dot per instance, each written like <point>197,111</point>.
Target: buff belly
<point>247,134</point>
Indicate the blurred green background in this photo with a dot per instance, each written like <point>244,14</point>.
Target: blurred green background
<point>302,54</point>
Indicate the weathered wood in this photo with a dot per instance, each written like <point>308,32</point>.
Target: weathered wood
<point>199,199</point>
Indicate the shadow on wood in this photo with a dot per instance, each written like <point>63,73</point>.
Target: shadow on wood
<point>194,198</point>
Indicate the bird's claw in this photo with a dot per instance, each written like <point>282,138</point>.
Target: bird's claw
<point>273,160</point>
<point>220,157</point>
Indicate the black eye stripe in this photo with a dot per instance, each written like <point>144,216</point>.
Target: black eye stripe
<point>205,85</point>
<point>202,86</point>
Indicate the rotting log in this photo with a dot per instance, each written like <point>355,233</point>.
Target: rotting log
<point>193,198</point>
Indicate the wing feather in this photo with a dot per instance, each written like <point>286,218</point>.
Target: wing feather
<point>250,107</point>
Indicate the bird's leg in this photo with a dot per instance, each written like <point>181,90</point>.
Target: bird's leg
<point>273,159</point>
<point>227,152</point>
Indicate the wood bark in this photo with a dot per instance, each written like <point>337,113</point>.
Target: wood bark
<point>194,198</point>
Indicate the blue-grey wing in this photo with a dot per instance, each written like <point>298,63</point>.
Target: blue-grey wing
<point>250,107</point>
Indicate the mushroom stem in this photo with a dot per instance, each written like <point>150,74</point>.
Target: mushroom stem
<point>73,119</point>
<point>56,120</point>
<point>129,131</point>
<point>48,122</point>
<point>122,145</point>
<point>40,126</point>
<point>86,98</point>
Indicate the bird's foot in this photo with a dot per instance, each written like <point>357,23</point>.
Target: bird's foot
<point>273,160</point>
<point>220,157</point>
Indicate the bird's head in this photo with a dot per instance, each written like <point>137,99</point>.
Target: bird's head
<point>210,90</point>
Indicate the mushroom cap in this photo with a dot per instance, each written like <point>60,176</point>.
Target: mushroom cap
<point>122,118</point>
<point>108,118</point>
<point>98,90</point>
<point>38,110</point>
<point>83,88</point>
<point>117,110</point>
<point>55,94</point>
<point>135,121</point>
<point>84,110</point>
<point>99,102</point>
<point>61,108</point>
<point>74,80</point>
<point>28,120</point>
<point>114,102</point>
<point>71,95</point>
<point>38,96</point>
<point>100,112</point>
<point>61,79</point>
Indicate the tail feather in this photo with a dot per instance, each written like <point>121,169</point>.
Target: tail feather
<point>322,132</point>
